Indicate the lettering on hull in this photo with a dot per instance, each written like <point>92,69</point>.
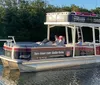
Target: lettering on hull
<point>49,53</point>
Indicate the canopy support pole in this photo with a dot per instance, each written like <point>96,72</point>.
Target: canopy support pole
<point>93,29</point>
<point>82,34</point>
<point>67,37</point>
<point>99,34</point>
<point>74,39</point>
<point>72,29</point>
<point>48,32</point>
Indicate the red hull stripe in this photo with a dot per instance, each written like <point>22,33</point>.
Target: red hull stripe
<point>16,49</point>
<point>46,48</point>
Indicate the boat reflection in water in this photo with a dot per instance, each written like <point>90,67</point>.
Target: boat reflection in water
<point>73,76</point>
<point>10,77</point>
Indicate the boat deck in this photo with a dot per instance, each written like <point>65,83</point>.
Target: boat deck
<point>56,60</point>
<point>41,65</point>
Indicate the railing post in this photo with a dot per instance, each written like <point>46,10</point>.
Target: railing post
<point>12,38</point>
<point>12,53</point>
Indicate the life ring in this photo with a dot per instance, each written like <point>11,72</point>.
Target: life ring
<point>67,53</point>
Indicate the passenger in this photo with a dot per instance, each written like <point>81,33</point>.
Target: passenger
<point>56,38</point>
<point>61,41</point>
<point>49,43</point>
<point>44,41</point>
<point>79,42</point>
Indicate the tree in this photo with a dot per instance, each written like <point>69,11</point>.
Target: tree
<point>75,8</point>
<point>25,20</point>
<point>97,10</point>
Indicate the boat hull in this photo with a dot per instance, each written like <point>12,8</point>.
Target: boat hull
<point>48,64</point>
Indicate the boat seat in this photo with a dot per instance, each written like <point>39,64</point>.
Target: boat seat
<point>69,45</point>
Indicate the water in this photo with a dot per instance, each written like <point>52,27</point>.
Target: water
<point>80,75</point>
<point>72,76</point>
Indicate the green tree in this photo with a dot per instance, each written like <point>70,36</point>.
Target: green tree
<point>25,20</point>
<point>97,10</point>
<point>75,8</point>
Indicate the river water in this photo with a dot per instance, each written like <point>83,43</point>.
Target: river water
<point>80,75</point>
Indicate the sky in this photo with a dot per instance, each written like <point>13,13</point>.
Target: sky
<point>88,4</point>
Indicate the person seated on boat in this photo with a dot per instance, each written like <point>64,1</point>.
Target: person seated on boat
<point>56,38</point>
<point>61,41</point>
<point>49,43</point>
<point>46,42</point>
<point>79,42</point>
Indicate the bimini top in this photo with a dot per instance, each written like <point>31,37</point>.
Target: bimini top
<point>73,18</point>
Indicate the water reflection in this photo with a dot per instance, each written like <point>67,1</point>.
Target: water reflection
<point>80,76</point>
<point>10,77</point>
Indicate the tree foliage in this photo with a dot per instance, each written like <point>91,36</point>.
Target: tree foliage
<point>25,20</point>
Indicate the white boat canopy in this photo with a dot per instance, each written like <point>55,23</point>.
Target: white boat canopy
<point>73,21</point>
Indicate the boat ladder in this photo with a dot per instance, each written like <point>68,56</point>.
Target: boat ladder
<point>80,33</point>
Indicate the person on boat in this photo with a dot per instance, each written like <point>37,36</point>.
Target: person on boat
<point>46,42</point>
<point>61,41</point>
<point>79,42</point>
<point>56,38</point>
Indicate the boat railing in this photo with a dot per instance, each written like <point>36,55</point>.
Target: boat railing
<point>13,39</point>
<point>9,40</point>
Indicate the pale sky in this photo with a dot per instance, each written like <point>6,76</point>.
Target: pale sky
<point>89,4</point>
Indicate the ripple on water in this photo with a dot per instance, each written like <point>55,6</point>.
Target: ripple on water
<point>81,75</point>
